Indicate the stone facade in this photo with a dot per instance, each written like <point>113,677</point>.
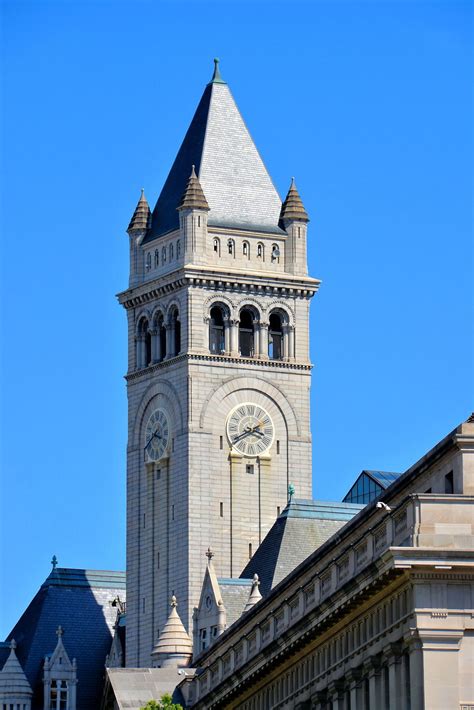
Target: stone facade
<point>217,317</point>
<point>379,618</point>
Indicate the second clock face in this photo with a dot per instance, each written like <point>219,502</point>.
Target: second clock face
<point>157,434</point>
<point>250,429</point>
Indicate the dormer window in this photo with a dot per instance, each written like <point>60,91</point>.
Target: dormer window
<point>58,695</point>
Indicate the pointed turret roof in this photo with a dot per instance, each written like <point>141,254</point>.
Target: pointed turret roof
<point>292,208</point>
<point>193,197</point>
<point>174,642</point>
<point>13,681</point>
<point>141,218</point>
<point>254,595</point>
<point>233,177</point>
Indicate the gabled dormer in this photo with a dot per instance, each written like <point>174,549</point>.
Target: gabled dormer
<point>59,678</point>
<point>209,618</point>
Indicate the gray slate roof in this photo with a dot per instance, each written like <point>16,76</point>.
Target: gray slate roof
<point>235,594</point>
<point>79,601</point>
<point>233,177</point>
<point>301,528</point>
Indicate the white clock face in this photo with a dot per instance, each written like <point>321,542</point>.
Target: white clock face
<point>157,434</point>
<point>250,429</point>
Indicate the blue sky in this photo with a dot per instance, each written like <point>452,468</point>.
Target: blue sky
<point>367,104</point>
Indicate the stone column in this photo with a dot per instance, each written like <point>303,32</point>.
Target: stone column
<point>372,671</point>
<point>206,341</point>
<point>353,680</point>
<point>256,338</point>
<point>227,335</point>
<point>140,351</point>
<point>158,353</point>
<point>440,648</point>
<point>284,343</point>
<point>336,694</point>
<point>416,673</point>
<point>263,340</point>
<point>234,337</point>
<point>168,352</point>
<point>291,342</point>
<point>154,345</point>
<point>392,654</point>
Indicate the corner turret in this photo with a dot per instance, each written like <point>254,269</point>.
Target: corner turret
<point>193,209</point>
<point>294,220</point>
<point>15,690</point>
<point>137,229</point>
<point>174,648</point>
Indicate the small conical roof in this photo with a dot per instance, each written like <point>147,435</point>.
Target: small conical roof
<point>193,197</point>
<point>13,681</point>
<point>292,208</point>
<point>141,218</point>
<point>174,639</point>
<point>254,595</point>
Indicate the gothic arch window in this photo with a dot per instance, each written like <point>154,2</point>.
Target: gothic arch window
<point>216,246</point>
<point>231,247</point>
<point>171,251</point>
<point>148,261</point>
<point>178,248</point>
<point>247,332</point>
<point>246,249</point>
<point>163,255</point>
<point>216,331</point>
<point>157,258</point>
<point>260,251</point>
<point>275,337</point>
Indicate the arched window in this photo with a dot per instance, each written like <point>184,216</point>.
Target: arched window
<point>171,252</point>
<point>157,258</point>
<point>178,248</point>
<point>148,261</point>
<point>175,333</point>
<point>275,337</point>
<point>216,246</point>
<point>260,251</point>
<point>163,255</point>
<point>276,253</point>
<point>231,247</point>
<point>216,331</point>
<point>246,333</point>
<point>246,249</point>
<point>160,338</point>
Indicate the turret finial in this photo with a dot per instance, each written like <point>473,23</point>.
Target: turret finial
<point>209,554</point>
<point>174,601</point>
<point>13,644</point>
<point>291,492</point>
<point>54,562</point>
<point>216,77</point>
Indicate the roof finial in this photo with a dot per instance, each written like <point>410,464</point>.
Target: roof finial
<point>216,77</point>
<point>174,601</point>
<point>209,554</point>
<point>291,492</point>
<point>13,644</point>
<point>54,562</point>
<point>59,632</point>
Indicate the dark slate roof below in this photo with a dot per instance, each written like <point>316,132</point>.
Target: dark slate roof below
<point>79,601</point>
<point>231,172</point>
<point>235,594</point>
<point>298,531</point>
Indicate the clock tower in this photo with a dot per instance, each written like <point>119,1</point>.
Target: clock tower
<point>218,370</point>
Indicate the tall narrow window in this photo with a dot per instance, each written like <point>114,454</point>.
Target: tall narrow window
<point>148,261</point>
<point>216,246</point>
<point>260,251</point>
<point>246,333</point>
<point>216,331</point>
<point>246,249</point>
<point>275,337</point>
<point>231,247</point>
<point>221,442</point>
<point>172,512</point>
<point>278,446</point>
<point>221,509</point>
<point>178,248</point>
<point>162,338</point>
<point>157,258</point>
<point>250,550</point>
<point>163,255</point>
<point>449,483</point>
<point>171,252</point>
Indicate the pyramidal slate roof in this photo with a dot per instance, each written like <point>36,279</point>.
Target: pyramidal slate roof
<point>231,172</point>
<point>302,527</point>
<point>79,601</point>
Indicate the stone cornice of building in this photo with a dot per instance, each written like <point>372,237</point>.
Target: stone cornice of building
<point>369,551</point>
<point>259,283</point>
<point>223,360</point>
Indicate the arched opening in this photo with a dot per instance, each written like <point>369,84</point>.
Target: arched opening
<point>174,342</point>
<point>260,251</point>
<point>171,252</point>
<point>216,331</point>
<point>231,247</point>
<point>246,333</point>
<point>147,347</point>
<point>159,350</point>
<point>275,337</point>
<point>246,249</point>
<point>143,350</point>
<point>216,246</point>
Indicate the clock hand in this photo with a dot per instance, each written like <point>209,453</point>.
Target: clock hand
<point>155,433</point>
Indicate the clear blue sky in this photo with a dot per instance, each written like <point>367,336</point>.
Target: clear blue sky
<point>367,104</point>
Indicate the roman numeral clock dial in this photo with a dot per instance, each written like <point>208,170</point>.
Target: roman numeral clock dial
<point>250,429</point>
<point>157,434</point>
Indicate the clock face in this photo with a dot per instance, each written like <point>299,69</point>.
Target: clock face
<point>157,434</point>
<point>250,429</point>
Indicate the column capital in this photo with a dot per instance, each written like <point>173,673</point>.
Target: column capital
<point>392,652</point>
<point>353,677</point>
<point>372,666</point>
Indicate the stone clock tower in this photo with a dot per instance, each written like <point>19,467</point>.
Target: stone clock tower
<point>218,370</point>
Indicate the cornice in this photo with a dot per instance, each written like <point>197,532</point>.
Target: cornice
<point>259,283</point>
<point>224,360</point>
